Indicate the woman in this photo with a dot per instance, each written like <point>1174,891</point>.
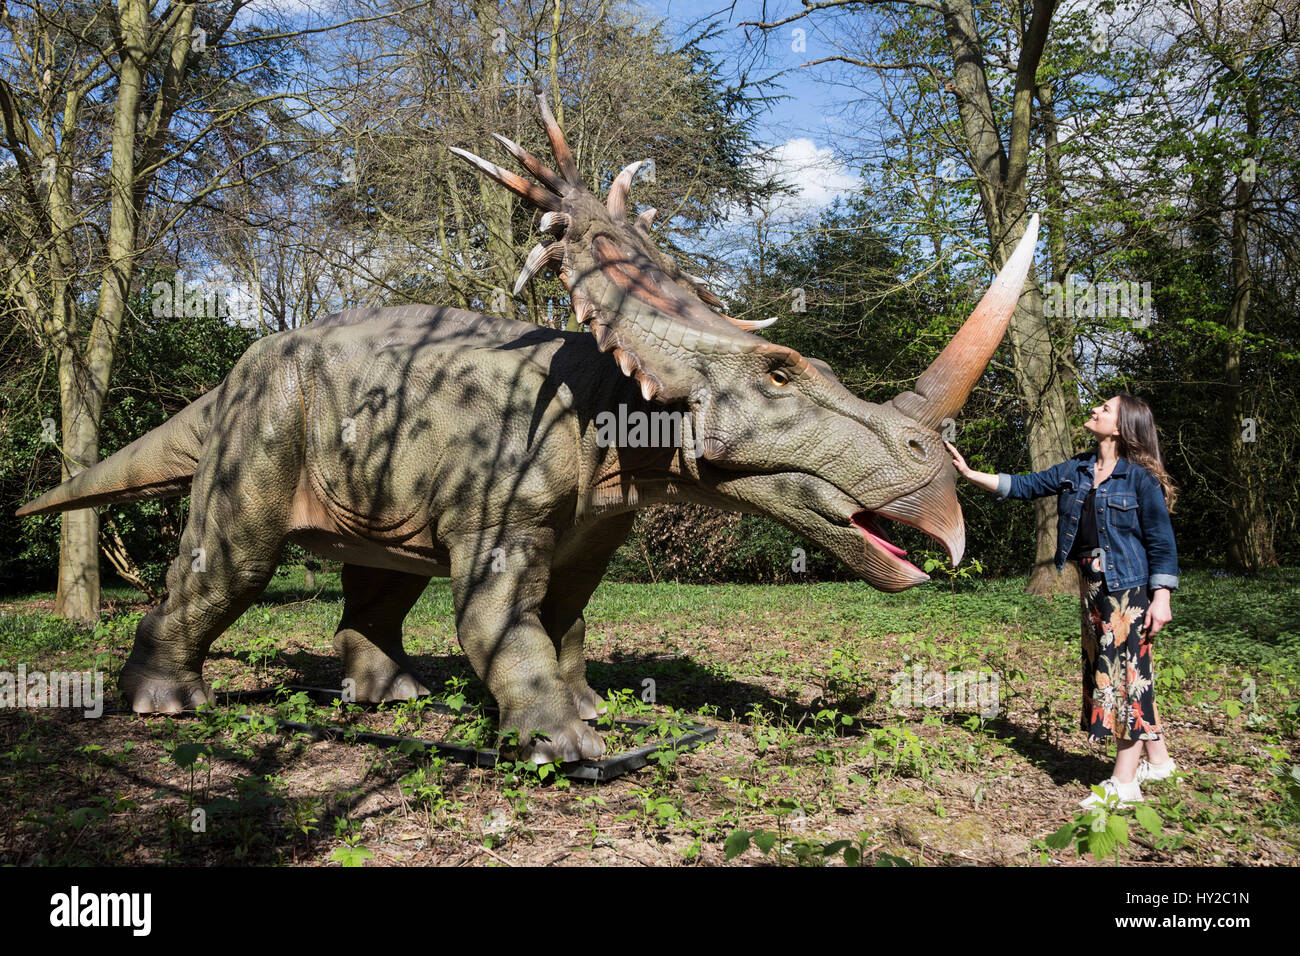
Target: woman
<point>1113,518</point>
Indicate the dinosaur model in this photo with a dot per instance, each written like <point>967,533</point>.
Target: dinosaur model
<point>418,441</point>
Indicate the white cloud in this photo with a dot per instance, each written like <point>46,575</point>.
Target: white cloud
<point>814,171</point>
<point>816,176</point>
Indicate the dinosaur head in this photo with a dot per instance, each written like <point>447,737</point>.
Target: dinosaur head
<point>769,429</point>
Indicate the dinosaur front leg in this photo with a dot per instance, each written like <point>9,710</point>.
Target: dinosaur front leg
<point>498,587</point>
<point>369,636</point>
<point>574,580</point>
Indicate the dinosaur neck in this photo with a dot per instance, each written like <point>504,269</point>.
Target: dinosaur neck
<point>634,454</point>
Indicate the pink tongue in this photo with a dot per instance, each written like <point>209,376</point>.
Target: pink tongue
<point>893,549</point>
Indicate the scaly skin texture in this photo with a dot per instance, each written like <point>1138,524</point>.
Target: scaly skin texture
<point>418,441</point>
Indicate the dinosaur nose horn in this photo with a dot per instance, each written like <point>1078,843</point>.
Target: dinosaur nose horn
<point>943,388</point>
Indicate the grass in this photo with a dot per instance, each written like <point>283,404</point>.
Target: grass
<point>814,765</point>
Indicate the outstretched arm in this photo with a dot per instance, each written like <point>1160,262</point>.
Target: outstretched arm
<point>1034,485</point>
<point>986,480</point>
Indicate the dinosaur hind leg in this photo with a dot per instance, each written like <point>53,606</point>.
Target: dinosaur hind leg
<point>223,566</point>
<point>562,616</point>
<point>369,637</point>
<point>240,504</point>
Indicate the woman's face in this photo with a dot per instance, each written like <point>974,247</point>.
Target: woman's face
<point>1105,419</point>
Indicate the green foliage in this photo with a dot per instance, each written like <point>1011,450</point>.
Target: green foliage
<point>805,851</point>
<point>23,636</point>
<point>1101,830</point>
<point>164,364</point>
<point>698,545</point>
<point>350,854</point>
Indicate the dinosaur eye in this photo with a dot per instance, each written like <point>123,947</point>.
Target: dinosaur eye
<point>916,449</point>
<point>780,377</point>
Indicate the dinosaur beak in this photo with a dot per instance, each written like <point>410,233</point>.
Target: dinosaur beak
<point>933,508</point>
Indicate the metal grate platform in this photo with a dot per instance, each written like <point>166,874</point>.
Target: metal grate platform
<point>592,771</point>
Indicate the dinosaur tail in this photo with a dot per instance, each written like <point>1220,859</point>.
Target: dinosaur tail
<point>159,464</point>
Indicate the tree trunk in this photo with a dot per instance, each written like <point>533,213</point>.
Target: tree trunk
<point>1047,419</point>
<point>1001,175</point>
<point>1063,330</point>
<point>78,593</point>
<point>83,380</point>
<point>1052,440</point>
<point>1250,536</point>
<point>498,205</point>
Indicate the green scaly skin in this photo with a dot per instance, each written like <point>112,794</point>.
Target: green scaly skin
<point>418,441</point>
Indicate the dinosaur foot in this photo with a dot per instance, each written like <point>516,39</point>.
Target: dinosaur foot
<point>569,740</point>
<point>590,704</point>
<point>374,674</point>
<point>156,695</point>
<point>372,687</point>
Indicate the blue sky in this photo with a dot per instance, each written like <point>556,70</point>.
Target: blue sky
<point>802,127</point>
<point>810,102</point>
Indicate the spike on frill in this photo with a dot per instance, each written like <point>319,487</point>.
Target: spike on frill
<point>541,257</point>
<point>751,325</point>
<point>555,223</point>
<point>608,340</point>
<point>707,297</point>
<point>535,194</point>
<point>532,164</point>
<point>616,203</point>
<point>583,308</point>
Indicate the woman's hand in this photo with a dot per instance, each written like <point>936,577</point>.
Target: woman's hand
<point>984,479</point>
<point>958,461</point>
<point>1158,614</point>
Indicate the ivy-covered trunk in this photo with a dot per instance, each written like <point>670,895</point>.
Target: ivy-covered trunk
<point>1250,538</point>
<point>78,593</point>
<point>84,376</point>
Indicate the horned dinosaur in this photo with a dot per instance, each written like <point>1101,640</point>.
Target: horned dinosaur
<point>417,441</point>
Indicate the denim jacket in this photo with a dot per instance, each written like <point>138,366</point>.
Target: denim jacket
<point>1133,527</point>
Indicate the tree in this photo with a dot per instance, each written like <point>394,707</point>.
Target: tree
<point>118,123</point>
<point>940,49</point>
<point>1225,251</point>
<point>422,227</point>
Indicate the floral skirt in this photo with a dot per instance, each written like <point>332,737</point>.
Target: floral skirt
<point>1118,680</point>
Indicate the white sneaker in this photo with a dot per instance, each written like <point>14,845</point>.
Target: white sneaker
<point>1127,792</point>
<point>1155,771</point>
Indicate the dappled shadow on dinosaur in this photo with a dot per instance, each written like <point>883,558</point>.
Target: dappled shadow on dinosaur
<point>419,441</point>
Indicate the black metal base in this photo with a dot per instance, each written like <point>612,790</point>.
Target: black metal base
<point>592,771</point>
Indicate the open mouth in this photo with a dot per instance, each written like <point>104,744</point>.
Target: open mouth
<point>869,524</point>
<point>931,509</point>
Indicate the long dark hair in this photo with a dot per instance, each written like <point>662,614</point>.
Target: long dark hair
<point>1139,442</point>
